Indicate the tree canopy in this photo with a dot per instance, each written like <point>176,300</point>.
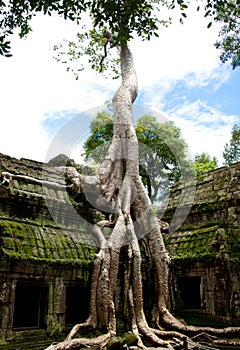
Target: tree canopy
<point>101,134</point>
<point>128,18</point>
<point>123,20</point>
<point>204,163</point>
<point>162,151</point>
<point>231,153</point>
<point>229,36</point>
<point>162,154</point>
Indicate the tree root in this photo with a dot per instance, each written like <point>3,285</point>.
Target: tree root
<point>88,324</point>
<point>77,343</point>
<point>173,323</point>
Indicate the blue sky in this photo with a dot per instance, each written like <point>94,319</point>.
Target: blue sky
<point>179,75</point>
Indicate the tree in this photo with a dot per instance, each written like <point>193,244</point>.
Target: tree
<point>130,18</point>
<point>18,14</point>
<point>162,151</point>
<point>229,42</point>
<point>231,153</point>
<point>162,155</point>
<point>118,184</point>
<point>203,163</point>
<point>100,138</point>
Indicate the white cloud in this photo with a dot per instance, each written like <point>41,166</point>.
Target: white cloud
<point>179,51</point>
<point>34,86</point>
<point>204,128</point>
<point>216,77</point>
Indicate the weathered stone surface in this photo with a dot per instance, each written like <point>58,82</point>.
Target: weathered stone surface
<point>205,250</point>
<point>39,253</point>
<point>26,240</point>
<point>215,205</point>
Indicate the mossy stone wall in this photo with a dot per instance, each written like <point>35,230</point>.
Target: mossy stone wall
<point>207,244</point>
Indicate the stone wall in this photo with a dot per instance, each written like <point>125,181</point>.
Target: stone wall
<point>17,279</point>
<point>205,249</point>
<point>45,263</point>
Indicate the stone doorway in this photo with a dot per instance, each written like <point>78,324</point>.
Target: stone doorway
<point>30,306</point>
<point>190,292</point>
<point>77,304</point>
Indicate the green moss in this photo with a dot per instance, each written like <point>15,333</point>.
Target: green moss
<point>53,327</point>
<point>204,243</point>
<point>30,241</point>
<point>234,243</point>
<point>210,206</point>
<point>116,343</point>
<point>131,339</point>
<point>195,244</point>
<point>194,227</point>
<point>8,243</point>
<point>187,261</point>
<point>2,341</point>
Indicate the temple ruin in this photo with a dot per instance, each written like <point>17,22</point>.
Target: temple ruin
<point>47,251</point>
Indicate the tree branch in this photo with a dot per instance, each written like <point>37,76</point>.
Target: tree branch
<point>108,36</point>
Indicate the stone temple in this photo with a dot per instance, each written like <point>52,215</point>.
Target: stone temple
<point>47,251</point>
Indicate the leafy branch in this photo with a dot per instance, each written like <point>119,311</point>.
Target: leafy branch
<point>90,49</point>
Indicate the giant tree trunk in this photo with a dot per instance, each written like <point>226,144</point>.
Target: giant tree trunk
<point>119,185</point>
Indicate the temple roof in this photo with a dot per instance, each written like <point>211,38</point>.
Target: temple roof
<point>42,222</point>
<point>28,228</point>
<point>35,170</point>
<point>211,228</point>
<point>28,240</point>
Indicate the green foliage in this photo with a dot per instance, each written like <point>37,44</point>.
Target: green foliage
<point>101,128</point>
<point>161,151</point>
<point>229,42</point>
<point>231,153</point>
<point>162,155</point>
<point>17,14</point>
<point>203,163</point>
<point>124,19</point>
<point>127,18</point>
<point>230,45</point>
<point>228,13</point>
<point>88,50</point>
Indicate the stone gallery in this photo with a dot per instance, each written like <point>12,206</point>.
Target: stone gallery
<point>47,251</point>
